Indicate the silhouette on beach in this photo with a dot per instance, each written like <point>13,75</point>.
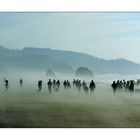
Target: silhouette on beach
<point>50,85</point>
<point>6,84</point>
<point>39,85</point>
<point>21,82</point>
<point>92,86</point>
<point>118,85</point>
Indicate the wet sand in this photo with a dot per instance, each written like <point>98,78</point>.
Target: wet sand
<point>27,108</point>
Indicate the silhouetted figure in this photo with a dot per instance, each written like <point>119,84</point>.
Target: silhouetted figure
<point>6,85</point>
<point>120,85</point>
<point>68,84</point>
<point>127,85</point>
<point>114,86</point>
<point>54,82</point>
<point>57,85</point>
<point>65,84</point>
<point>21,82</point>
<point>84,87</point>
<point>92,86</point>
<point>50,85</point>
<point>124,84</point>
<point>131,87</point>
<point>74,82</point>
<point>84,84</point>
<point>39,85</point>
<point>54,85</point>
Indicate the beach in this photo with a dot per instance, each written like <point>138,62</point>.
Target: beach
<point>27,108</point>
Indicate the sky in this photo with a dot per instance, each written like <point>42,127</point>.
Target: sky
<point>104,35</point>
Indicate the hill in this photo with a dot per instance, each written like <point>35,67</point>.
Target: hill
<point>75,60</point>
<point>62,61</point>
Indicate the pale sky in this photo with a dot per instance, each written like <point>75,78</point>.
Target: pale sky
<point>105,35</point>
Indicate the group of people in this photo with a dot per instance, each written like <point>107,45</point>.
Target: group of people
<point>55,85</point>
<point>6,83</point>
<point>83,85</point>
<point>79,85</point>
<point>123,85</point>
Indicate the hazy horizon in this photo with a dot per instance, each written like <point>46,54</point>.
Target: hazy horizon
<point>103,35</point>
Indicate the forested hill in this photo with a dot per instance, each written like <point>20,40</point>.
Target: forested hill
<point>62,61</point>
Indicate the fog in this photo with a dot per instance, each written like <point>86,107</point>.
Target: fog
<point>26,107</point>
